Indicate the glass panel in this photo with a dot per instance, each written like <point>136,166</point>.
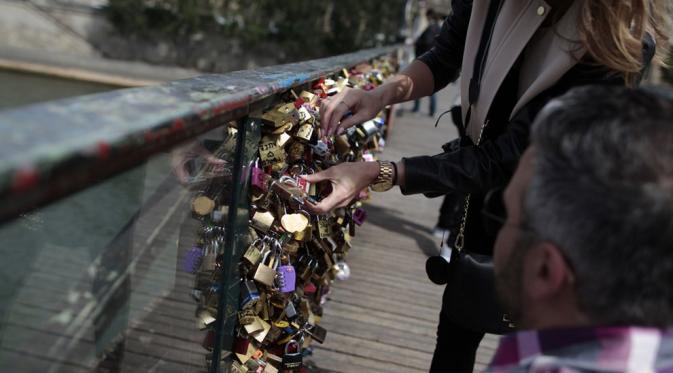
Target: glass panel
<point>103,279</point>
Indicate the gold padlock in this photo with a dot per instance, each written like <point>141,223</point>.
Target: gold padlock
<point>263,220</point>
<point>293,223</point>
<point>266,270</point>
<point>324,227</point>
<point>305,116</point>
<point>309,98</point>
<point>305,132</point>
<point>246,317</point>
<point>305,235</point>
<point>342,145</point>
<point>203,205</point>
<point>253,254</point>
<point>296,152</point>
<point>269,151</point>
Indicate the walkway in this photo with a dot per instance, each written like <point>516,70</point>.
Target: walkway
<point>384,318</point>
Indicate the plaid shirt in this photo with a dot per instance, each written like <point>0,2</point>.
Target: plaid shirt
<point>600,349</point>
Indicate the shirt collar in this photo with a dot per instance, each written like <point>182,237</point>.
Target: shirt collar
<point>517,347</point>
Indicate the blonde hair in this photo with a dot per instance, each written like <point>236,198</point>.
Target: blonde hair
<point>612,32</point>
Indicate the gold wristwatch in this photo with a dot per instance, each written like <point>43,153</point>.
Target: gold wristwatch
<point>384,181</point>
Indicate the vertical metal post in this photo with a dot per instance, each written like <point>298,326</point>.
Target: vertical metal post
<point>229,239</point>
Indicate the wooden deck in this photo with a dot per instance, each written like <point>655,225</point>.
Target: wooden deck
<point>384,318</point>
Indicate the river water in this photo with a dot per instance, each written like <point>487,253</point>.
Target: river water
<point>17,89</point>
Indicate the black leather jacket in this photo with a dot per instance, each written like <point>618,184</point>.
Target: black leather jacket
<point>477,169</point>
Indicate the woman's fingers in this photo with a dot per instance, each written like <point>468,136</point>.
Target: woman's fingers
<point>338,114</point>
<point>352,120</point>
<point>316,177</point>
<point>327,108</point>
<point>327,204</point>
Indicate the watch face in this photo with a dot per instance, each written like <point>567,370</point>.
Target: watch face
<point>382,186</point>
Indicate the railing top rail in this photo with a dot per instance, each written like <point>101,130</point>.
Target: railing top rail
<point>52,149</point>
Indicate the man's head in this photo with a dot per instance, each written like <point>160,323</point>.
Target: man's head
<point>589,232</point>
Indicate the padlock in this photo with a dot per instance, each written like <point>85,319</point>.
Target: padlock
<point>296,152</point>
<point>203,205</point>
<point>324,227</point>
<point>305,132</point>
<point>292,356</point>
<point>192,259</point>
<point>291,247</point>
<point>287,190</point>
<point>290,311</point>
<point>253,254</point>
<point>205,317</point>
<point>287,278</point>
<point>261,335</point>
<point>359,216</point>
<point>259,178</point>
<point>266,270</point>
<point>293,223</point>
<point>268,368</point>
<point>209,261</point>
<point>262,220</point>
<point>320,148</point>
<point>310,267</point>
<point>273,334</point>
<point>305,116</point>
<point>241,345</point>
<point>309,98</point>
<point>341,270</point>
<point>269,151</point>
<point>305,235</point>
<point>236,367</point>
<point>255,326</point>
<point>317,332</point>
<point>370,129</point>
<point>250,294</point>
<point>282,116</point>
<point>253,365</point>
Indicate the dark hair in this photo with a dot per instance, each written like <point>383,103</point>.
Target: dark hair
<point>602,191</point>
<point>430,14</point>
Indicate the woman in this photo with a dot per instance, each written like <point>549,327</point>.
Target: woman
<point>515,55</point>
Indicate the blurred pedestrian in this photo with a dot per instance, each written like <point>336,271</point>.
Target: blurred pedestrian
<point>423,44</point>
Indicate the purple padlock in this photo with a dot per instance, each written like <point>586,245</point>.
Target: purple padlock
<point>359,216</point>
<point>287,278</point>
<point>192,259</point>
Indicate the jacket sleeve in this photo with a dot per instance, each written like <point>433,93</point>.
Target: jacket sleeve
<point>446,56</point>
<point>472,169</point>
<point>477,169</point>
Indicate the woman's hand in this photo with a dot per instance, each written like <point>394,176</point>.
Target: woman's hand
<point>363,105</point>
<point>347,179</point>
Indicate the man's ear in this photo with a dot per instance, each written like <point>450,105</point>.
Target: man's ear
<point>546,272</point>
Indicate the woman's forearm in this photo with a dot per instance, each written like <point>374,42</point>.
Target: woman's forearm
<point>414,82</point>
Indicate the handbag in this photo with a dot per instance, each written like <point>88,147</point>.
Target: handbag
<point>470,298</point>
